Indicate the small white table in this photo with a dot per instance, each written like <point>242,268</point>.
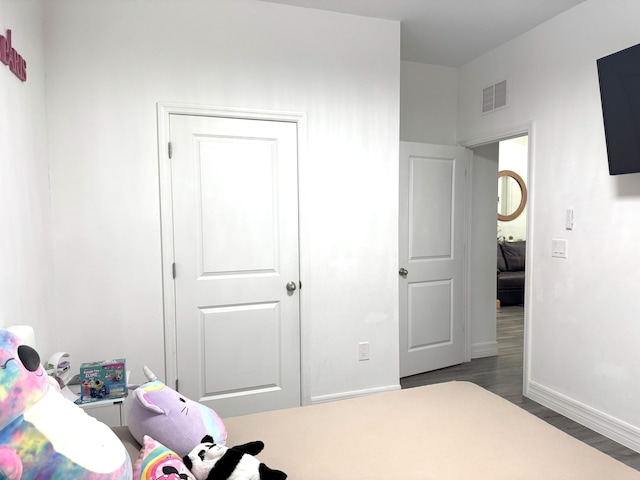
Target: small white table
<point>72,393</point>
<point>108,402</point>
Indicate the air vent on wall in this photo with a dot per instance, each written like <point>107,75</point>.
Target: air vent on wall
<point>494,97</point>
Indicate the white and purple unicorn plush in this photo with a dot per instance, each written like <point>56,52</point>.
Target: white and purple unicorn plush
<point>171,418</point>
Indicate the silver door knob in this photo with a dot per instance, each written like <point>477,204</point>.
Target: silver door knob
<point>403,272</point>
<point>291,287</point>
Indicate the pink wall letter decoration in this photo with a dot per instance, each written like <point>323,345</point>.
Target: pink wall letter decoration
<point>11,58</point>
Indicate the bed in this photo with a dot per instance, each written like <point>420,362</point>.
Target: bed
<point>453,430</point>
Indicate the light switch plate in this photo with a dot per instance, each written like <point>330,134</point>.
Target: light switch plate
<point>559,248</point>
<point>569,219</point>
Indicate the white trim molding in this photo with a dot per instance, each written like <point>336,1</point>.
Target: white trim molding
<point>598,421</point>
<point>484,349</point>
<point>353,394</point>
<point>497,135</point>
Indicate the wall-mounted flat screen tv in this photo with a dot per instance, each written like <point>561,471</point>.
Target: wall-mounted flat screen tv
<point>619,76</point>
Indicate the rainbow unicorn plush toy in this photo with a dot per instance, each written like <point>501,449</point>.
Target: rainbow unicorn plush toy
<point>42,434</point>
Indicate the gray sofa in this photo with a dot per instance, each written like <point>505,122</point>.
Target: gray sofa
<point>510,272</point>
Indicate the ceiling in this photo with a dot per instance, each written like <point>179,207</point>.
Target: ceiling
<point>449,32</point>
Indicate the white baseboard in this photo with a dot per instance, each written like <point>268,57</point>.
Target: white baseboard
<point>485,349</point>
<point>353,394</point>
<point>610,427</point>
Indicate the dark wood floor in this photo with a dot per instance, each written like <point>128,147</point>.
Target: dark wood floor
<point>502,375</point>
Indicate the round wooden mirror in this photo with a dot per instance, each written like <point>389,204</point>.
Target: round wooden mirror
<point>512,195</point>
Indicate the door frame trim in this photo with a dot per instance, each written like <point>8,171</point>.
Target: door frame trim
<point>493,137</point>
<point>163,111</point>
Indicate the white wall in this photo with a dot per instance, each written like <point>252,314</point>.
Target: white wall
<point>108,63</point>
<point>583,311</point>
<point>428,103</point>
<point>25,237</point>
<point>514,155</point>
<point>482,251</point>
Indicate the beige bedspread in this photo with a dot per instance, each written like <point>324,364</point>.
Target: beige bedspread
<point>453,430</point>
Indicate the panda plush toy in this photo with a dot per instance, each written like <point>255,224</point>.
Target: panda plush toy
<point>211,461</point>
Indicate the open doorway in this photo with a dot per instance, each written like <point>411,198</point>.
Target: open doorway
<point>498,239</point>
<point>512,195</point>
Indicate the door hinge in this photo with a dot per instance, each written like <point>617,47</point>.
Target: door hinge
<point>176,384</point>
<point>173,270</point>
<point>169,149</point>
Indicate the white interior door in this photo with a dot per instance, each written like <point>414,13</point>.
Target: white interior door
<point>432,220</point>
<point>235,221</point>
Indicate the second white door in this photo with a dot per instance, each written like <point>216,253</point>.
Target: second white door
<point>432,220</point>
<point>235,220</point>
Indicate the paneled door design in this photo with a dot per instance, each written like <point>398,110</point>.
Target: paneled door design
<point>235,238</point>
<point>432,220</point>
